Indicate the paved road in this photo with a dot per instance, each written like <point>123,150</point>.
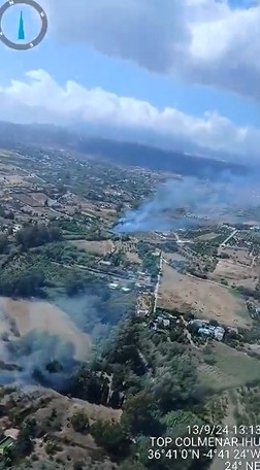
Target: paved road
<point>94,270</point>
<point>157,286</point>
<point>229,238</point>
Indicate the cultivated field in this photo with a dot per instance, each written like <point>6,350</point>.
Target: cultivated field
<point>130,250</point>
<point>174,256</point>
<point>239,255</point>
<point>206,298</point>
<point>234,405</point>
<point>236,274</point>
<point>15,180</point>
<point>232,368</point>
<point>34,199</point>
<point>207,236</point>
<point>100,248</point>
<point>106,214</point>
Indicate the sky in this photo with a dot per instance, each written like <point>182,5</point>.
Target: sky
<point>176,72</point>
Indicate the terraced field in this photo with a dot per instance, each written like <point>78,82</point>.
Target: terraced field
<point>232,368</point>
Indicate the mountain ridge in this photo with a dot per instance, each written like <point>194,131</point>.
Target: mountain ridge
<point>117,152</point>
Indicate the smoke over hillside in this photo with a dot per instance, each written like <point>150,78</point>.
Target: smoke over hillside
<point>184,203</point>
<point>35,334</point>
<point>45,343</point>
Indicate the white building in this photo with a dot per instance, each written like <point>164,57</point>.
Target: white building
<point>219,333</point>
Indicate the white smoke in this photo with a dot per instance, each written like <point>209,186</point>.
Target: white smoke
<point>201,200</point>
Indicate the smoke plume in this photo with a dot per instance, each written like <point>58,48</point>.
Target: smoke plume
<point>45,343</point>
<point>188,202</point>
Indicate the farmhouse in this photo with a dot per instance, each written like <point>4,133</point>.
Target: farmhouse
<point>10,436</point>
<point>205,329</point>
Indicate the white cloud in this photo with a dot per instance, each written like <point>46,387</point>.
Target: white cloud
<point>205,41</point>
<point>224,51</point>
<point>38,98</point>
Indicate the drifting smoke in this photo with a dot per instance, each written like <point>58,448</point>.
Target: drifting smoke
<point>184,203</point>
<point>28,345</point>
<point>36,335</point>
<point>32,353</point>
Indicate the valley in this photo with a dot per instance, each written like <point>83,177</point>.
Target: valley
<point>106,332</point>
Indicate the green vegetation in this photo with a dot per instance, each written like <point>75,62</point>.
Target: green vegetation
<point>248,406</point>
<point>205,248</point>
<point>237,364</point>
<point>35,235</point>
<point>3,244</point>
<point>153,379</point>
<point>39,269</point>
<point>150,261</point>
<point>72,227</point>
<point>20,448</point>
<point>247,293</point>
<point>161,381</point>
<point>112,437</point>
<point>23,283</point>
<point>80,422</point>
<point>229,368</point>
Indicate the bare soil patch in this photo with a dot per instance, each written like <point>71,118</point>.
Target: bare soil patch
<point>106,213</point>
<point>175,256</point>
<point>15,180</point>
<point>133,257</point>
<point>130,250</point>
<point>95,247</point>
<point>53,416</point>
<point>34,199</point>
<point>206,236</point>
<point>238,255</point>
<point>236,274</point>
<point>205,298</point>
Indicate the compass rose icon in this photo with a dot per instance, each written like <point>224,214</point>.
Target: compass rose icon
<point>23,42</point>
<point>21,34</point>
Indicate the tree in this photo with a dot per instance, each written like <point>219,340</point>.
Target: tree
<point>3,244</point>
<point>22,283</point>
<point>141,414</point>
<point>34,235</point>
<point>10,215</point>
<point>125,348</point>
<point>175,384</point>
<point>61,188</point>
<point>105,392</point>
<point>89,385</point>
<point>54,367</point>
<point>74,285</point>
<point>24,445</point>
<point>80,422</point>
<point>115,400</point>
<point>113,437</point>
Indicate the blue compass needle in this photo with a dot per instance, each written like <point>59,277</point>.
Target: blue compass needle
<point>21,34</point>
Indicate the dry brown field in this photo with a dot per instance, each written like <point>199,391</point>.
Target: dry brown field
<point>239,255</point>
<point>44,317</point>
<point>206,237</point>
<point>206,298</point>
<point>236,274</point>
<point>100,248</point>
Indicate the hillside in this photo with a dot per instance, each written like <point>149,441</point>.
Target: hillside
<point>124,153</point>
